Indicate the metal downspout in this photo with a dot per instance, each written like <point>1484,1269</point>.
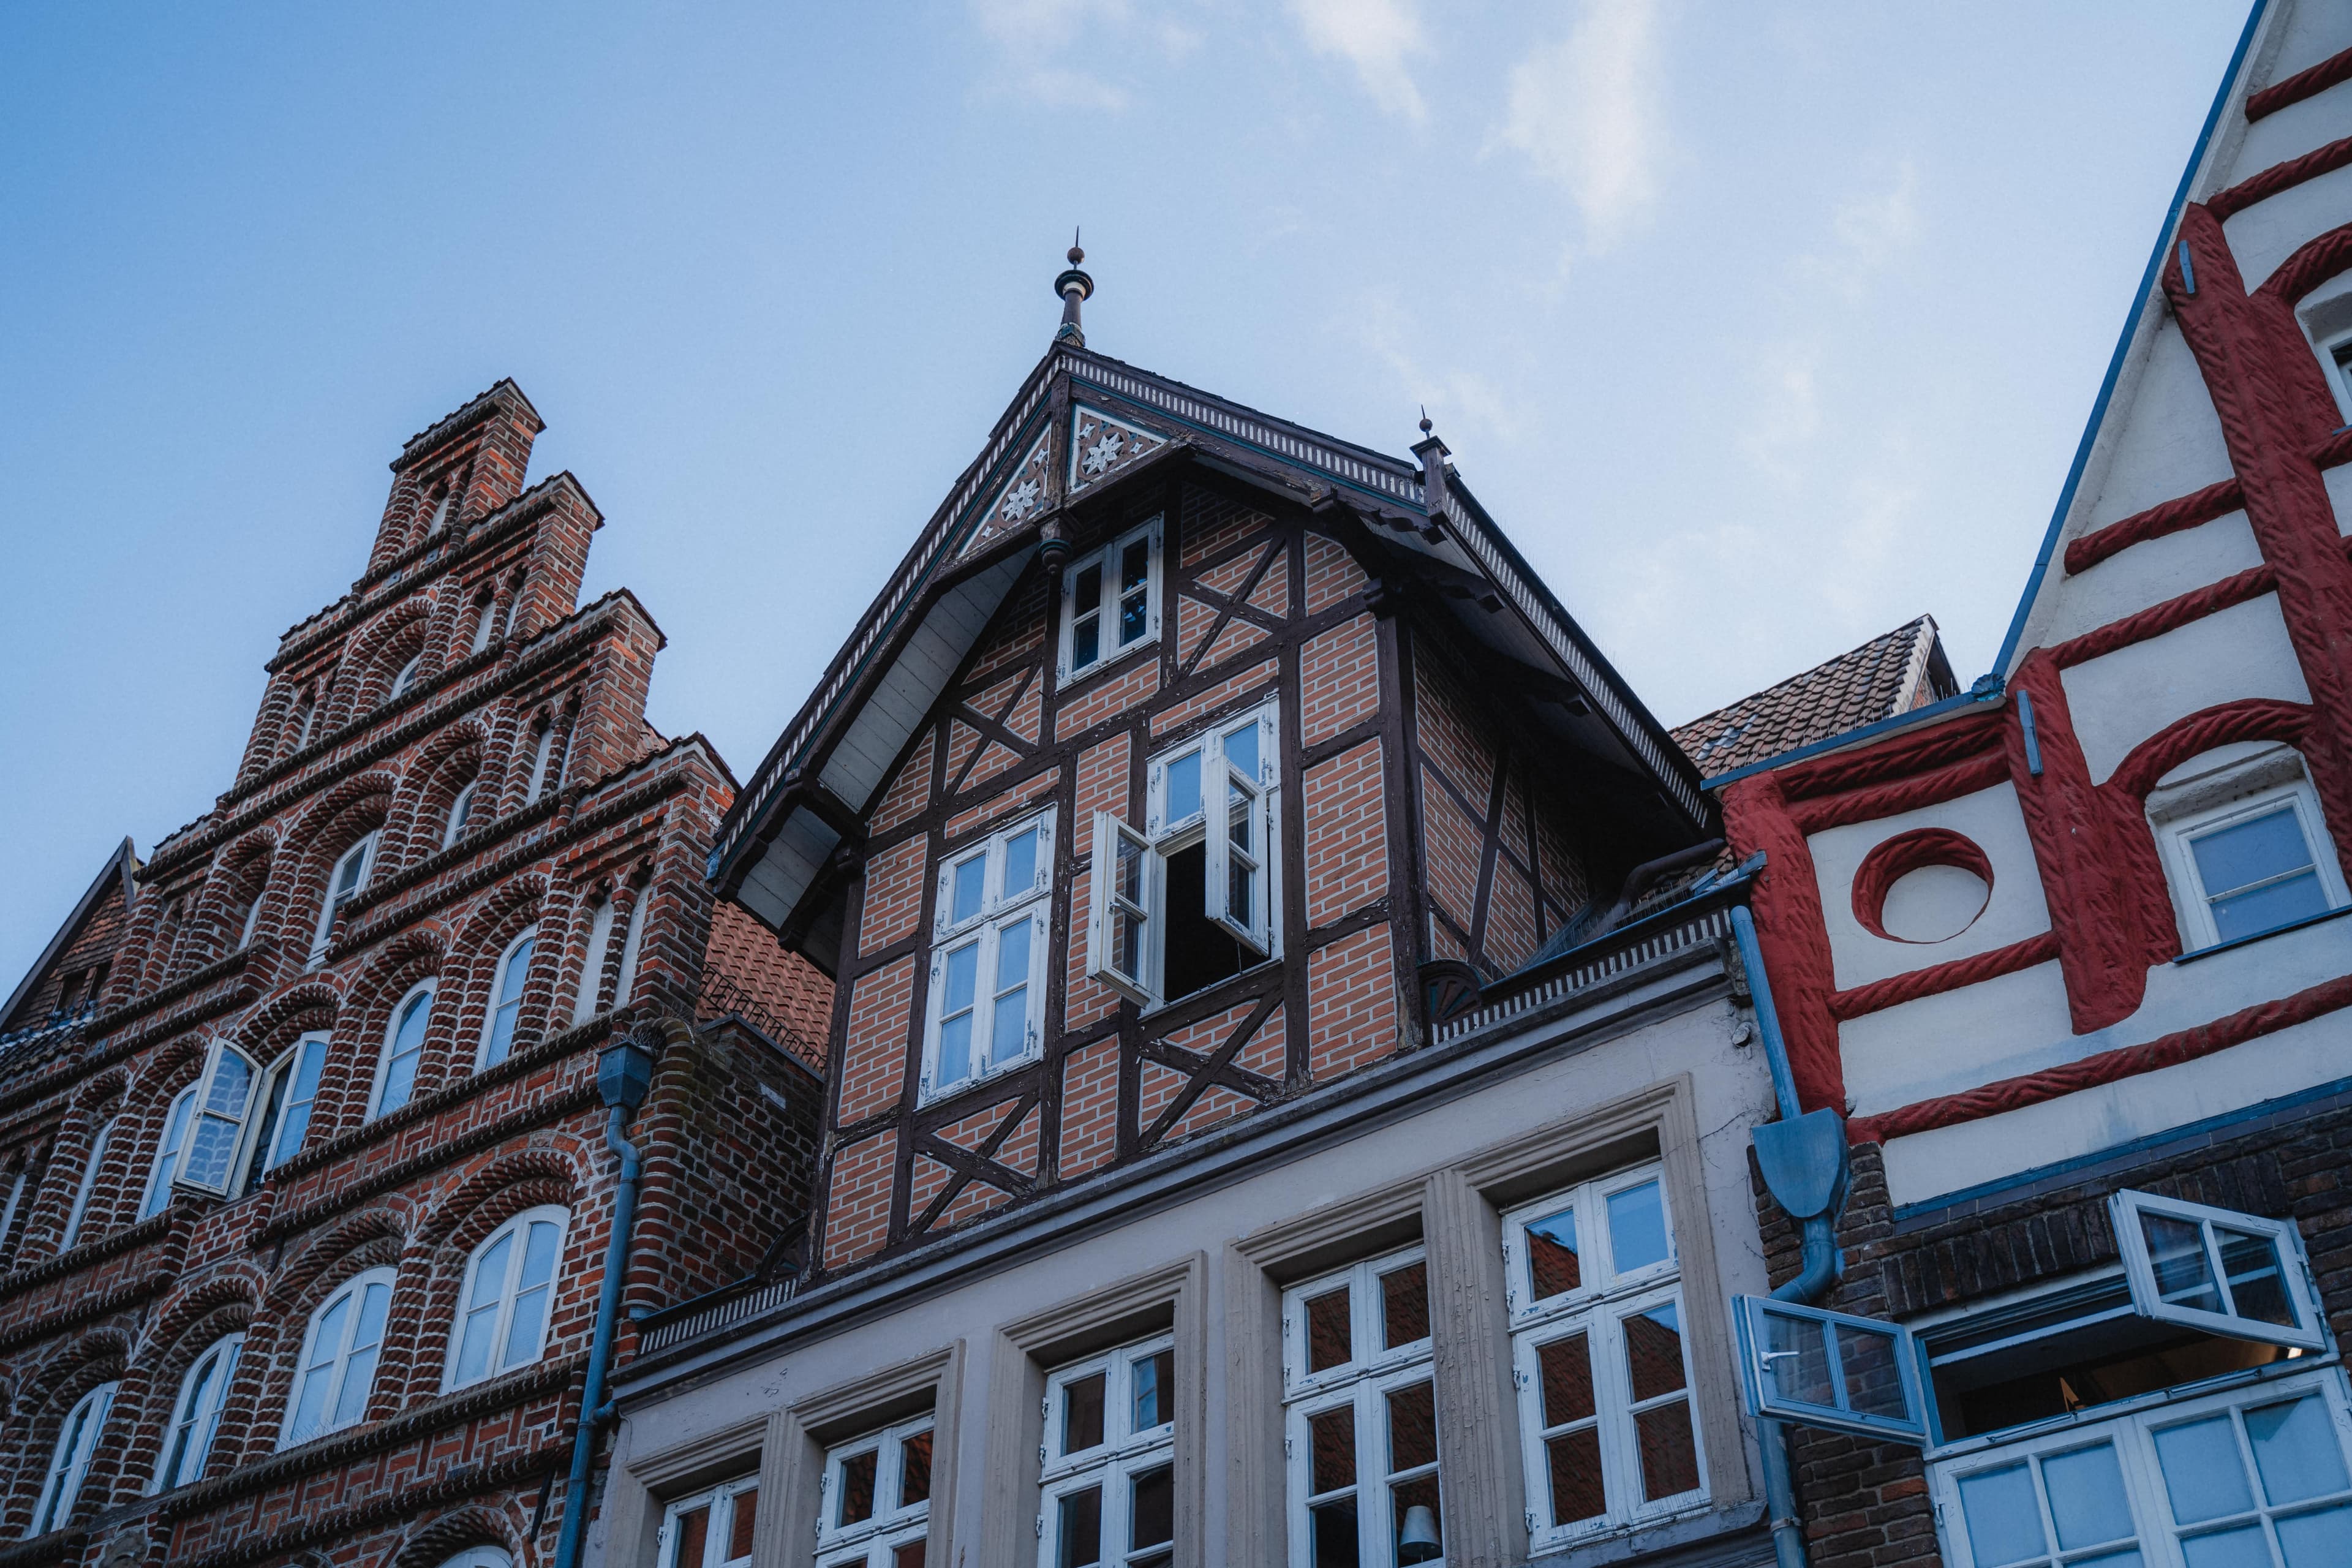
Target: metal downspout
<point>1821,1265</point>
<point>594,1411</point>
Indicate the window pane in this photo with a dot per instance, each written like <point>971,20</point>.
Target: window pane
<point>1333,1526</point>
<point>746,1515</point>
<point>2176,1248</point>
<point>1184,788</point>
<point>1404,1305</point>
<point>1331,1460</point>
<point>2087,1497</point>
<point>1329,1337</point>
<point>2268,907</point>
<point>2257,1282</point>
<point>407,1043</point>
<point>1574,1459</point>
<point>1134,564</point>
<point>1081,1531</point>
<point>1155,1390</point>
<point>962,978</point>
<point>970,889</point>
<point>1021,863</point>
<point>908,1554</point>
<point>1654,1350</point>
<point>1637,1228</point>
<point>2203,1473</point>
<point>1564,1371</point>
<point>1134,616</point>
<point>1412,1427</point>
<point>1086,641</point>
<point>1088,592</point>
<point>1081,1413</point>
<point>693,1536</point>
<point>2322,1539</point>
<point>1417,1522</point>
<point>1669,1455</point>
<point>1552,1268</point>
<point>1126,937</point>
<point>857,1488</point>
<point>1797,1355</point>
<point>2253,851</point>
<point>1152,1517</point>
<point>1008,1034</point>
<point>1874,1376</point>
<point>1240,749</point>
<point>2240,1547</point>
<point>2004,1519</point>
<point>915,1471</point>
<point>2295,1451</point>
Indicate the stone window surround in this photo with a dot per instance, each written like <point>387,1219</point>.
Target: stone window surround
<point>1456,1211</point>
<point>787,1449</point>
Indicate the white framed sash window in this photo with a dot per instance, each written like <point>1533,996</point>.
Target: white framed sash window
<point>711,1529</point>
<point>875,1508</point>
<point>167,1152</point>
<point>404,1048</point>
<point>506,998</point>
<point>1110,602</point>
<point>88,1185</point>
<point>69,1460</point>
<point>1608,1430</point>
<point>2237,1275</point>
<point>987,990</point>
<point>460,810</point>
<point>286,1095</point>
<point>1107,1472</point>
<point>1359,1416</point>
<point>344,883</point>
<point>196,1416</point>
<point>503,1304</point>
<point>339,1355</point>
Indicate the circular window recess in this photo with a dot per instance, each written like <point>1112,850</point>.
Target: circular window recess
<point>1925,886</point>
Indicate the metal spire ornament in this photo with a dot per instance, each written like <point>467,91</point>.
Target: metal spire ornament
<point>1074,287</point>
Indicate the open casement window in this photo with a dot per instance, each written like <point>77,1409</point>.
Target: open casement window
<point>2246,849</point>
<point>196,1416</point>
<point>2230,1274</point>
<point>287,1094</point>
<point>167,1153</point>
<point>338,1356</point>
<point>1359,1416</point>
<point>506,998</point>
<point>1192,899</point>
<point>344,883</point>
<point>875,1511</point>
<point>1819,1368</point>
<point>988,956</point>
<point>1108,1475</point>
<point>403,1046</point>
<point>1608,1431</point>
<point>711,1529</point>
<point>503,1304</point>
<point>225,1099</point>
<point>69,1460</point>
<point>1111,601</point>
<point>2246,1477</point>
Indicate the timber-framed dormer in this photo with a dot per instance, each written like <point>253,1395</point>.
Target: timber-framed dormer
<point>1154,630</point>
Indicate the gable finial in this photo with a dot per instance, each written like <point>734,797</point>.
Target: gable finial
<point>1433,454</point>
<point>1074,287</point>
<point>1425,426</point>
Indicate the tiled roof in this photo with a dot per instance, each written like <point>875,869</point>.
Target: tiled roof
<point>747,971</point>
<point>1891,674</point>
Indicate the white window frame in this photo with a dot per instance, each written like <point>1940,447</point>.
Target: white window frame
<point>284,1075</point>
<point>1362,1384</point>
<point>167,1152</point>
<point>2125,1209</point>
<point>16,1185</point>
<point>78,1437</point>
<point>1165,834</point>
<point>196,1416</point>
<point>363,849</point>
<point>632,945</point>
<point>487,610</point>
<point>499,1002</point>
<point>2177,832</point>
<point>516,1229</point>
<point>592,971</point>
<point>2335,362</point>
<point>1605,1297</point>
<point>721,1501</point>
<point>1125,1453</point>
<point>1001,907</point>
<point>430,991</point>
<point>538,758</point>
<point>452,827</point>
<point>338,1367</point>
<point>2130,1429</point>
<point>405,676</point>
<point>88,1185</point>
<point>1106,556</point>
<point>871,1542</point>
<point>220,1103</point>
<point>252,921</point>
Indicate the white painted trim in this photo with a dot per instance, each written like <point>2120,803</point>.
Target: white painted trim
<point>874,1539</point>
<point>195,1415</point>
<point>430,991</point>
<point>2130,1210</point>
<point>721,1501</point>
<point>500,975</point>
<point>517,1232</point>
<point>1106,606</point>
<point>337,1368</point>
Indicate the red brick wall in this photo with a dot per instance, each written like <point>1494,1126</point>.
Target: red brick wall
<point>1352,1003</point>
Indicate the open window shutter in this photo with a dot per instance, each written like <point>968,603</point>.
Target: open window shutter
<point>209,1153</point>
<point>1832,1370</point>
<point>1119,940</point>
<point>1245,918</point>
<point>2236,1275</point>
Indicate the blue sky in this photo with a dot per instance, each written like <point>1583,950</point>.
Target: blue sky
<point>1761,327</point>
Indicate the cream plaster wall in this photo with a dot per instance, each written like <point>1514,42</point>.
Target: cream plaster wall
<point>2121,699</point>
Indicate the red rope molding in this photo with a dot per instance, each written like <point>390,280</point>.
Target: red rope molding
<point>2171,517</point>
<point>2302,84</point>
<point>1949,782</point>
<point>2107,1067</point>
<point>1935,979</point>
<point>1893,759</point>
<point>2281,178</point>
<point>2247,718</point>
<point>2169,617</point>
<point>1892,859</point>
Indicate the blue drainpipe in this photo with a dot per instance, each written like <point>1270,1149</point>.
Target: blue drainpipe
<point>623,1072</point>
<point>1804,1162</point>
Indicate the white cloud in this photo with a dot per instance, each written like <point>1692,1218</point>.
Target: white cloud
<point>1587,112</point>
<point>1463,402</point>
<point>1377,37</point>
<point>1033,35</point>
<point>1786,412</point>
